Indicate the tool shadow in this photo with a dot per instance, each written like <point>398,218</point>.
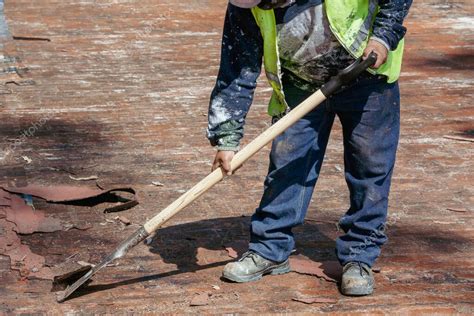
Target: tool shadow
<point>180,245</point>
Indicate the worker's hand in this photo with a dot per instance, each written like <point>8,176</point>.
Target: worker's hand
<point>222,160</point>
<point>379,49</point>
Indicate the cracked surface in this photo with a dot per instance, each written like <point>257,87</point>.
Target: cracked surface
<point>121,92</point>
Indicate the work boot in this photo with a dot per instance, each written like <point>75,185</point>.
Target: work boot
<point>357,279</point>
<point>251,267</point>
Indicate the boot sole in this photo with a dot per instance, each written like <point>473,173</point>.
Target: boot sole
<point>282,268</point>
<point>357,291</point>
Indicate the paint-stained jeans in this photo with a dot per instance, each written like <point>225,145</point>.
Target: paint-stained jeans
<point>369,112</point>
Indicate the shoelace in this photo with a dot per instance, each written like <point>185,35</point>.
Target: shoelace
<point>250,254</point>
<point>362,267</point>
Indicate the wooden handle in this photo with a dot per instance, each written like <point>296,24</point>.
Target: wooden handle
<point>253,147</point>
<point>276,129</point>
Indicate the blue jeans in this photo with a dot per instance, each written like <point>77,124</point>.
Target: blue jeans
<point>369,112</point>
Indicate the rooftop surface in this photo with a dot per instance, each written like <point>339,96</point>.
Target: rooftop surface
<point>118,91</point>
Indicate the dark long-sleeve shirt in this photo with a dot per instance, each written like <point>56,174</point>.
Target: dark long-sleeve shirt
<point>242,50</point>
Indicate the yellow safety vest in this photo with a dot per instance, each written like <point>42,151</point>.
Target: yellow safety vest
<point>350,22</point>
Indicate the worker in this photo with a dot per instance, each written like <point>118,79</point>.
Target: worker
<point>302,44</point>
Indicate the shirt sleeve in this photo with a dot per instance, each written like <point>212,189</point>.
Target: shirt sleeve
<point>241,60</point>
<point>388,24</point>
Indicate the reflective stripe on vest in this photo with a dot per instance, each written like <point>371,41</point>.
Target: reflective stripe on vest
<point>350,22</point>
<point>363,34</point>
<point>271,59</point>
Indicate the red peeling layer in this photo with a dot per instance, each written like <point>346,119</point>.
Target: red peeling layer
<point>22,259</point>
<point>328,270</point>
<point>29,220</point>
<point>64,193</point>
<point>200,299</point>
<point>314,299</point>
<point>17,217</point>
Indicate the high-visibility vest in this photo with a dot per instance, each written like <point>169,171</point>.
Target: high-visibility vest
<point>350,21</point>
